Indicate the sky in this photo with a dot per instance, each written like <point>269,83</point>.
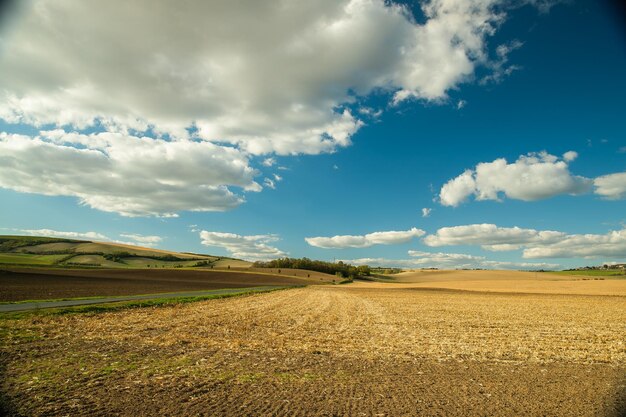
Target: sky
<point>444,133</point>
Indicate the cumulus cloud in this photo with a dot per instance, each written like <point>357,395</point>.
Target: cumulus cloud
<point>129,175</point>
<point>213,81</point>
<point>261,75</point>
<point>535,243</point>
<point>532,177</point>
<point>491,237</point>
<point>611,245</point>
<point>144,240</point>
<point>449,261</point>
<point>426,211</point>
<point>365,241</point>
<point>268,162</point>
<point>255,247</point>
<point>612,186</point>
<point>135,239</point>
<point>64,234</point>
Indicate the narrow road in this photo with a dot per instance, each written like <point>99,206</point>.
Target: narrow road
<point>9,308</point>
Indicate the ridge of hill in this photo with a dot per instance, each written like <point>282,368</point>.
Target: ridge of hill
<point>62,252</point>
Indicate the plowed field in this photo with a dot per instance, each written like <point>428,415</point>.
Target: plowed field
<point>327,350</point>
<point>31,284</point>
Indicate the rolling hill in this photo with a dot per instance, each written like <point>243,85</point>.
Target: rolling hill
<point>72,253</point>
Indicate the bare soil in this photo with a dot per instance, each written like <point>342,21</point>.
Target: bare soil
<point>326,350</point>
<point>32,284</point>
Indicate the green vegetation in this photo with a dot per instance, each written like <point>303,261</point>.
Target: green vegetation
<point>386,271</point>
<point>333,268</point>
<point>124,305</point>
<point>9,243</point>
<point>30,259</point>
<point>33,251</point>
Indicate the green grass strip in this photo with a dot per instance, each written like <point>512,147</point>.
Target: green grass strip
<point>125,305</point>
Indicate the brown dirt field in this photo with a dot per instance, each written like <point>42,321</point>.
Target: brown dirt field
<point>31,284</point>
<point>326,350</point>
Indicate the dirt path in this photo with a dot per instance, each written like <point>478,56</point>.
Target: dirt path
<point>327,351</point>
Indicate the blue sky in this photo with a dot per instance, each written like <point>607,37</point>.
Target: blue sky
<point>325,129</point>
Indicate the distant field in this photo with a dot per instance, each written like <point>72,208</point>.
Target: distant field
<point>42,251</point>
<point>594,273</point>
<point>31,284</point>
<point>507,282</point>
<point>28,259</point>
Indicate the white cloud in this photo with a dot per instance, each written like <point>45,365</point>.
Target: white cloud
<point>491,237</point>
<point>611,245</point>
<point>532,177</point>
<point>125,174</point>
<point>460,104</point>
<point>268,162</point>
<point>535,243</point>
<point>426,211</point>
<point>264,76</point>
<point>148,241</point>
<point>500,66</point>
<point>449,261</point>
<point>144,240</point>
<point>269,183</point>
<point>238,79</point>
<point>569,156</point>
<point>256,247</point>
<point>365,241</point>
<point>612,186</point>
<point>64,234</point>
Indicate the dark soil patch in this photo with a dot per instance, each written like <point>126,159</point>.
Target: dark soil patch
<point>32,284</point>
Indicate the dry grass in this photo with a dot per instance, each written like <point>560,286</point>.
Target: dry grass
<point>510,282</point>
<point>325,337</point>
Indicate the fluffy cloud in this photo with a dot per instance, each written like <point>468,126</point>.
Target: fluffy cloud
<point>611,186</point>
<point>265,76</point>
<point>426,211</point>
<point>145,240</point>
<point>611,245</point>
<point>535,243</point>
<point>63,234</point>
<point>365,241</point>
<point>125,174</point>
<point>491,237</point>
<point>532,177</point>
<point>256,247</point>
<point>135,239</point>
<point>449,261</point>
<point>210,82</point>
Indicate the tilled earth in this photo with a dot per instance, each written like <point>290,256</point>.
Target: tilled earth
<point>17,284</point>
<point>326,351</point>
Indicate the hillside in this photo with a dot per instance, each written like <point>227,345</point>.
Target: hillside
<point>67,253</point>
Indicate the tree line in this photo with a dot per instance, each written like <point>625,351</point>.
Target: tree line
<point>333,268</point>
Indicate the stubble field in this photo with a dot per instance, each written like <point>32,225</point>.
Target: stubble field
<point>327,350</point>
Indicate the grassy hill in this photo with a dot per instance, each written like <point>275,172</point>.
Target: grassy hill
<point>68,253</point>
